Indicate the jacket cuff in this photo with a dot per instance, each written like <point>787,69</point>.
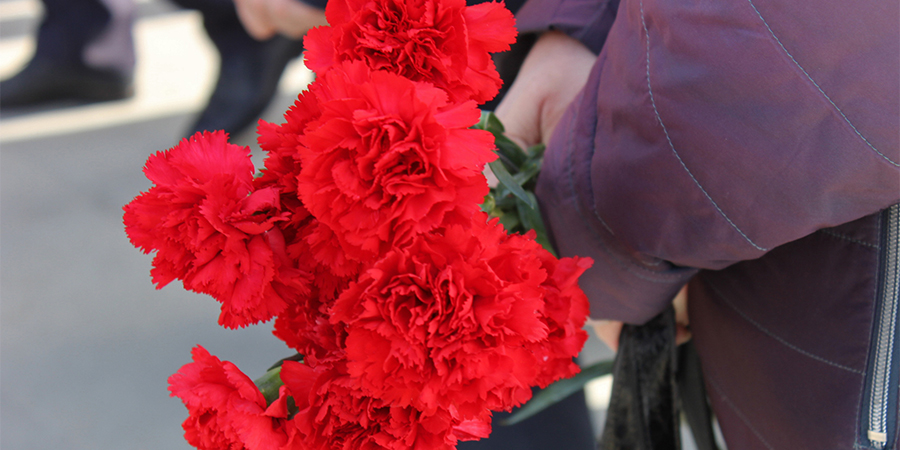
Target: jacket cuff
<point>623,284</point>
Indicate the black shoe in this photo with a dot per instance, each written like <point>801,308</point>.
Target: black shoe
<point>43,81</point>
<point>248,78</point>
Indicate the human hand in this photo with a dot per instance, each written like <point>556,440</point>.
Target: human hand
<point>264,18</point>
<point>551,75</point>
<point>608,330</point>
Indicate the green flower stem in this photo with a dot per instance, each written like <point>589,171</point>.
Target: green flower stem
<point>269,384</point>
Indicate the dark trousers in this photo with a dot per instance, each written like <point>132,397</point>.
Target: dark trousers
<point>94,33</point>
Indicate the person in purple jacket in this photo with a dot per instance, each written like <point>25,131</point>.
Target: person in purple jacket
<point>749,150</point>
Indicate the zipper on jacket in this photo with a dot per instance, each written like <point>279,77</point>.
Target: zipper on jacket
<point>882,375</point>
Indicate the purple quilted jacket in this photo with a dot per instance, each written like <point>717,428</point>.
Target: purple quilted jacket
<point>751,148</point>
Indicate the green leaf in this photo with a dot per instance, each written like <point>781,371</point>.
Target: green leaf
<point>508,182</point>
<point>536,151</point>
<point>558,391</point>
<point>511,153</point>
<point>482,121</point>
<point>528,172</point>
<point>494,124</point>
<point>529,216</point>
<point>507,202</point>
<point>509,221</point>
<point>508,149</point>
<point>489,122</point>
<point>531,220</point>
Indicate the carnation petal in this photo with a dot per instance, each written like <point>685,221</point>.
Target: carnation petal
<point>472,430</point>
<point>226,409</point>
<point>318,45</point>
<point>490,26</point>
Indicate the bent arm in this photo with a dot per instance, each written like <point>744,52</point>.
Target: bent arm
<point>710,134</point>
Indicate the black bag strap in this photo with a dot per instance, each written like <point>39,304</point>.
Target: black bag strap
<point>653,380</point>
<point>692,392</point>
<point>643,407</point>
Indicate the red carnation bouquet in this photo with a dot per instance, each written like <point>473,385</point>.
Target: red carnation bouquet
<point>414,313</point>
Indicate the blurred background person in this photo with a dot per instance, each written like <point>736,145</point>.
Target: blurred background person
<point>250,66</point>
<point>85,52</point>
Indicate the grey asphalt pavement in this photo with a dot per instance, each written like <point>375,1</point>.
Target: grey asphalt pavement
<point>86,341</point>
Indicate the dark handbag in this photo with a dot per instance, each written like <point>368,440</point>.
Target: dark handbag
<point>653,380</point>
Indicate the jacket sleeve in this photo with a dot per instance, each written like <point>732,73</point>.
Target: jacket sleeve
<point>712,133</point>
<point>589,21</point>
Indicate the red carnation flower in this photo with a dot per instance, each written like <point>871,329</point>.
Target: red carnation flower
<point>565,310</point>
<point>304,324</point>
<point>443,42</point>
<point>388,158</point>
<point>310,245</point>
<point>211,229</point>
<point>282,144</point>
<point>335,415</point>
<point>466,319</point>
<point>227,411</point>
<point>304,327</point>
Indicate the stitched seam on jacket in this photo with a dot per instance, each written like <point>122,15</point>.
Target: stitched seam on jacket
<point>848,238</point>
<point>571,174</point>
<point>808,77</point>
<point>738,412</point>
<point>784,342</point>
<point>672,146</point>
<point>625,265</point>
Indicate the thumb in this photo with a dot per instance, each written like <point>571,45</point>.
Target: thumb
<point>551,76</point>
